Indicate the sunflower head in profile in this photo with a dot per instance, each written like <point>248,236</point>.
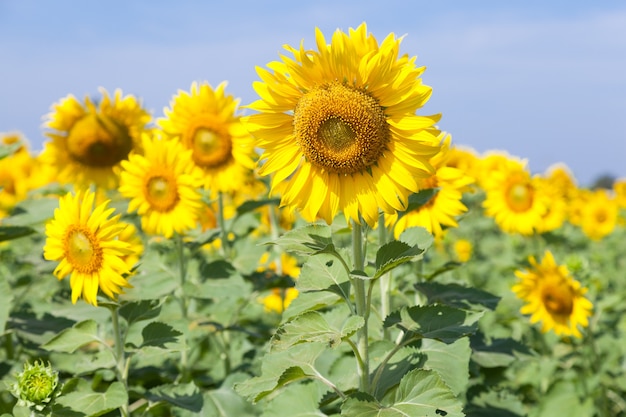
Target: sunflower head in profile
<point>205,121</point>
<point>162,185</point>
<point>553,297</point>
<point>85,241</point>
<point>338,127</point>
<point>89,140</point>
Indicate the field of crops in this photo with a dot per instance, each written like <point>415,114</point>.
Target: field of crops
<point>332,252</point>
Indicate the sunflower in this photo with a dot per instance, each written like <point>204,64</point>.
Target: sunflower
<point>205,121</point>
<point>338,127</point>
<point>619,188</point>
<point>599,214</point>
<point>445,205</point>
<point>88,141</point>
<point>515,200</point>
<point>463,250</point>
<point>162,186</point>
<point>86,243</point>
<point>15,179</point>
<point>553,297</point>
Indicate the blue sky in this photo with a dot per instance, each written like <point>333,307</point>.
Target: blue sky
<point>543,80</point>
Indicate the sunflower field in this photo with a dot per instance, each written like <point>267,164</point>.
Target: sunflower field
<point>325,250</point>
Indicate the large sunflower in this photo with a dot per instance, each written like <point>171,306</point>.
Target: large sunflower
<point>553,297</point>
<point>162,186</point>
<point>338,126</point>
<point>90,140</point>
<point>86,243</point>
<point>206,122</point>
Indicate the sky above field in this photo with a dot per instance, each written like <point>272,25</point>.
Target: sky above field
<point>542,80</point>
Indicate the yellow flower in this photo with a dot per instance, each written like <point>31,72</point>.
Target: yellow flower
<point>279,299</point>
<point>205,121</point>
<point>515,200</point>
<point>598,214</point>
<point>15,178</point>
<point>619,188</point>
<point>86,243</point>
<point>445,205</point>
<point>162,186</point>
<point>553,297</point>
<point>131,236</point>
<point>463,250</point>
<point>90,140</point>
<point>338,127</point>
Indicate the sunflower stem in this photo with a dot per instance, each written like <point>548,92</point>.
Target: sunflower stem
<point>184,304</point>
<point>121,369</point>
<point>222,224</point>
<point>360,298</point>
<point>385,280</point>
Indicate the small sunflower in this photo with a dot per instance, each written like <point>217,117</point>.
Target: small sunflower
<point>338,127</point>
<point>88,141</point>
<point>619,188</point>
<point>515,200</point>
<point>445,205</point>
<point>86,243</point>
<point>205,121</point>
<point>599,214</point>
<point>162,186</point>
<point>553,297</point>
<point>463,250</point>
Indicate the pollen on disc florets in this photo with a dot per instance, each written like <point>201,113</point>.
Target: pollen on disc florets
<point>340,128</point>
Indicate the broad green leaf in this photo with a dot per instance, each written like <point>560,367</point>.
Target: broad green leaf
<point>307,240</point>
<point>417,236</point>
<point>498,353</point>
<point>280,368</point>
<point>404,360</point>
<point>252,205</point>
<point>82,363</point>
<point>6,301</point>
<point>140,310</point>
<point>71,339</point>
<point>394,253</point>
<point>438,322</point>
<point>224,402</point>
<point>419,199</point>
<point>451,361</point>
<point>420,393</point>
<point>14,232</point>
<point>455,295</point>
<point>295,400</point>
<point>313,327</point>
<point>500,403</point>
<point>186,396</point>
<point>310,301</point>
<point>324,272</point>
<point>84,400</point>
<point>33,211</point>
<point>563,400</point>
<point>158,334</point>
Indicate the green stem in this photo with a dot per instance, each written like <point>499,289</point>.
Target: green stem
<point>385,281</point>
<point>182,299</point>
<point>120,356</point>
<point>222,224</point>
<point>360,299</point>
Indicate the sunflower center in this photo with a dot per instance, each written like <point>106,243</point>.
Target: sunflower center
<point>98,141</point>
<point>519,197</point>
<point>600,216</point>
<point>161,192</point>
<point>7,185</point>
<point>341,129</point>
<point>210,148</point>
<point>83,251</point>
<point>558,299</point>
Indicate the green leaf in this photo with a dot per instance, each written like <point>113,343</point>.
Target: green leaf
<point>417,236</point>
<point>6,301</point>
<point>80,363</point>
<point>498,353</point>
<point>401,362</point>
<point>252,205</point>
<point>455,295</point>
<point>295,400</point>
<point>419,199</point>
<point>158,334</point>
<point>84,400</point>
<point>438,322</point>
<point>140,310</point>
<point>563,400</point>
<point>73,338</point>
<point>392,254</point>
<point>450,361</point>
<point>33,211</point>
<point>307,240</point>
<point>324,272</point>
<point>185,396</point>
<point>313,327</point>
<point>310,301</point>
<point>14,232</point>
<point>280,368</point>
<point>420,393</point>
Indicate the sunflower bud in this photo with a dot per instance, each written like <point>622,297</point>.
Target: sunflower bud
<point>36,386</point>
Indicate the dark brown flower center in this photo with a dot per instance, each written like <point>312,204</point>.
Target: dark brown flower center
<point>99,141</point>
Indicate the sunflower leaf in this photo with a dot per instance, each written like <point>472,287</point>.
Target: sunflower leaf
<point>455,295</point>
<point>438,322</point>
<point>307,240</point>
<point>91,403</point>
<point>14,232</point>
<point>73,338</point>
<point>394,253</point>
